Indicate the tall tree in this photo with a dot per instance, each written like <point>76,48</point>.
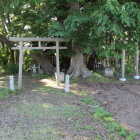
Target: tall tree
<point>72,28</point>
<point>104,25</point>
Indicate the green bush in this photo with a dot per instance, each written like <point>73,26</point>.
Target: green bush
<point>12,69</point>
<point>129,69</point>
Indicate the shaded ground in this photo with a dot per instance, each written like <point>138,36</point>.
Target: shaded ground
<point>43,111</point>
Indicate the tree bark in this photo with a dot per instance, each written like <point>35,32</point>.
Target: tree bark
<point>74,5</point>
<point>44,61</point>
<point>77,67</point>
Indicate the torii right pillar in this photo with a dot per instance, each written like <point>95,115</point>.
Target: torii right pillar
<point>136,76</point>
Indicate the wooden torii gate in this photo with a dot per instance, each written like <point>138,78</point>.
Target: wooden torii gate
<point>21,48</point>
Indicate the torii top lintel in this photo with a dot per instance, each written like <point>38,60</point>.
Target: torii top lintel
<point>37,39</point>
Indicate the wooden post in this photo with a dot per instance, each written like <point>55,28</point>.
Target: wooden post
<point>123,66</point>
<point>12,82</point>
<point>67,79</point>
<point>57,64</point>
<point>136,65</point>
<point>20,65</point>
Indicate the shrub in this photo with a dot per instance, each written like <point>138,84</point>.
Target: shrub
<point>12,69</point>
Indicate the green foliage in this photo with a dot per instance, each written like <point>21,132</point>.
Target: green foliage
<point>27,62</point>
<point>132,136</point>
<point>101,113</point>
<point>120,130</point>
<point>89,100</point>
<point>114,26</point>
<point>1,70</point>
<point>4,57</point>
<point>6,92</point>
<point>12,69</point>
<point>106,26</point>
<point>113,126</point>
<point>129,68</point>
<point>109,119</point>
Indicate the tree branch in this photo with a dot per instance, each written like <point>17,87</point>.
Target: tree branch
<point>7,41</point>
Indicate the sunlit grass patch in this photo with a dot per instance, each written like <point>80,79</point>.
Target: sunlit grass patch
<point>49,90</point>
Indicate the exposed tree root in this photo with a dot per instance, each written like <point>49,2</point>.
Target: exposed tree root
<point>77,67</point>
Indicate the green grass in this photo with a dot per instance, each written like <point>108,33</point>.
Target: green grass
<point>73,79</point>
<point>50,90</point>
<point>100,78</point>
<point>6,92</point>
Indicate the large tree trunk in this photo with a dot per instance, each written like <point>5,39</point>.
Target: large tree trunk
<point>44,61</point>
<point>77,66</point>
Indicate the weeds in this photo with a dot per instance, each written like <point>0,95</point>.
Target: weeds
<point>84,93</point>
<point>89,100</point>
<point>100,113</point>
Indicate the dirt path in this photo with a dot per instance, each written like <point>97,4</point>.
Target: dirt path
<point>43,112</point>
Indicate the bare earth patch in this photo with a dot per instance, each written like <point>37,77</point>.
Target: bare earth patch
<point>43,111</point>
